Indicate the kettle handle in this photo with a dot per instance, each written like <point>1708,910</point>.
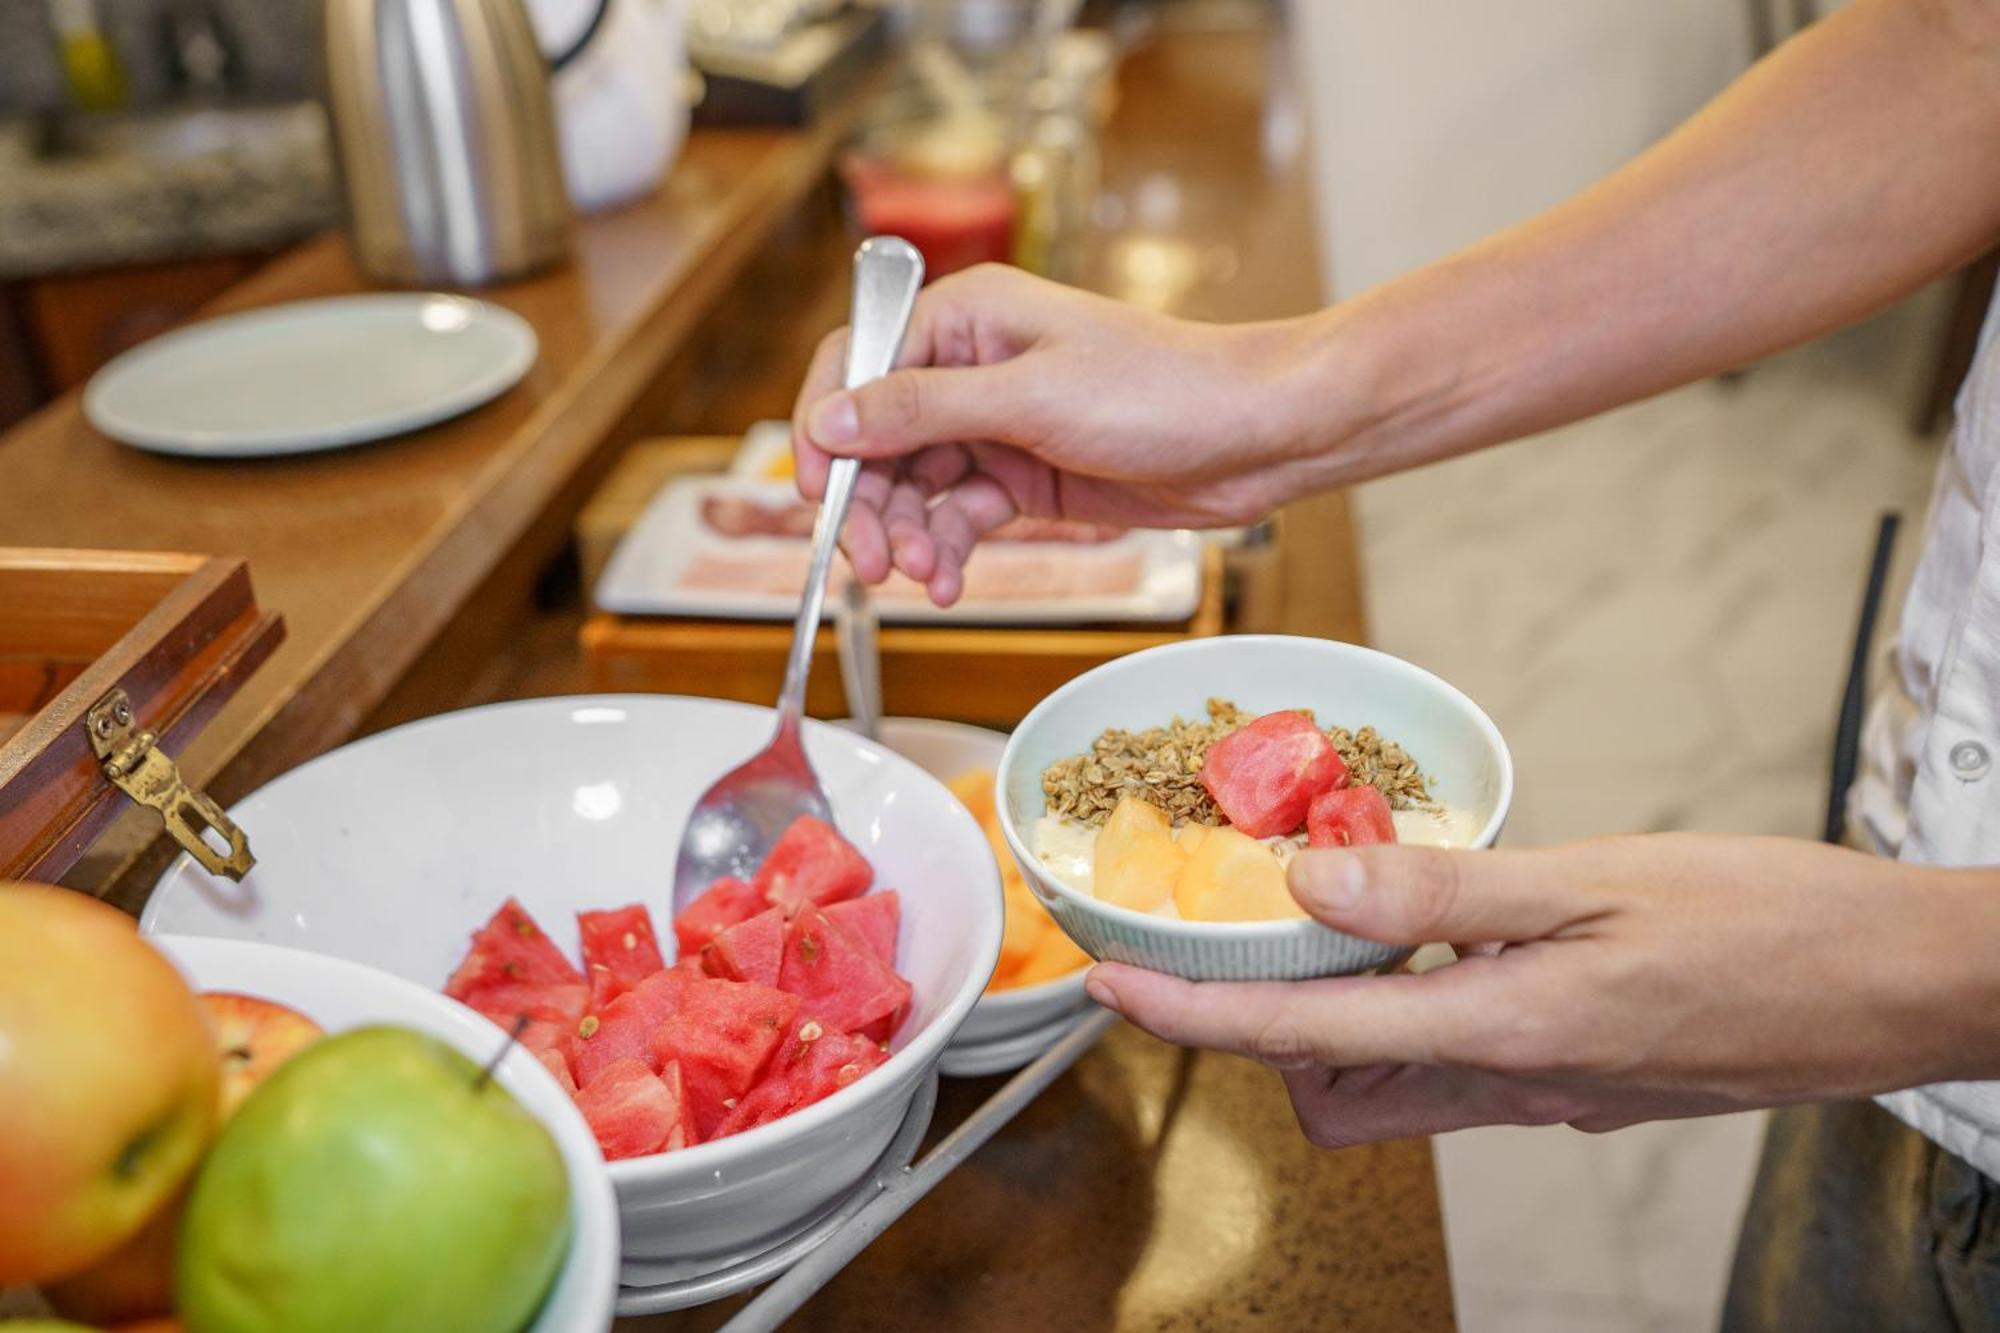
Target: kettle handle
<point>558,62</point>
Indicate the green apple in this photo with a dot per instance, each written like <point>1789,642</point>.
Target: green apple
<point>375,1181</point>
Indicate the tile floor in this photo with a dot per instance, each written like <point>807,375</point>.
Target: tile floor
<point>1664,596</point>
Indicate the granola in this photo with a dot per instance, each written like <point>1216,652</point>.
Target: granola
<point>1163,766</point>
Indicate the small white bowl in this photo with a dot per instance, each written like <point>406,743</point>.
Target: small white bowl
<point>1007,1028</point>
<point>339,995</point>
<point>394,849</point>
<point>1345,685</point>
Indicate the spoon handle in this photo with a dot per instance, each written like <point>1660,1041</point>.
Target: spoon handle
<point>887,273</point>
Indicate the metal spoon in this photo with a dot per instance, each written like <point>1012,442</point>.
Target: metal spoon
<point>737,820</point>
<point>855,629</point>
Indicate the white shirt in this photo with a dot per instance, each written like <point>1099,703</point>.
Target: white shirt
<point>1927,790</point>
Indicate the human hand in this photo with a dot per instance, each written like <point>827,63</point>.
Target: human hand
<point>1642,978</point>
<point>1019,397</point>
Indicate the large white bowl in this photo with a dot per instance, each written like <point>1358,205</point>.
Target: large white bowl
<point>339,995</point>
<point>1007,1028</point>
<point>1345,685</point>
<point>392,850</point>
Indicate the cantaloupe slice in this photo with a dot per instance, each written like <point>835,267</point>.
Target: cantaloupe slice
<point>1231,876</point>
<point>1137,860</point>
<point>1056,956</point>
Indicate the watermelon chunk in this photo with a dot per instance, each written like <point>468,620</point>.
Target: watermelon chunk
<point>723,1036</point>
<point>624,1031</point>
<point>558,1069</point>
<point>632,1111</point>
<point>812,863</point>
<point>621,941</point>
<point>560,1003</point>
<point>749,950</point>
<point>510,949</point>
<point>814,1064</point>
<point>604,987</point>
<point>875,917</point>
<point>1349,817</point>
<point>838,978</point>
<point>720,906</point>
<point>1265,774</point>
<point>883,1028</point>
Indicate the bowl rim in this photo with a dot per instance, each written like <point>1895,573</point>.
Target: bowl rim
<point>919,1054</point>
<point>1176,927</point>
<point>592,1193</point>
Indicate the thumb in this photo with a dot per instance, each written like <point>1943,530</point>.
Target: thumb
<point>1416,895</point>
<point>905,410</point>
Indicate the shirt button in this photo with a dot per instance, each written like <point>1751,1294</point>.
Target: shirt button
<point>1970,760</point>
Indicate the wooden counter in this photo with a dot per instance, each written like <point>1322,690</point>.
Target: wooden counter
<point>370,553</point>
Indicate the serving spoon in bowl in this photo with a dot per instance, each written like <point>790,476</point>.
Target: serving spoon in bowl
<point>736,821</point>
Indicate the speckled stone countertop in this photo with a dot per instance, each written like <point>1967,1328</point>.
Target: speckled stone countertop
<point>172,187</point>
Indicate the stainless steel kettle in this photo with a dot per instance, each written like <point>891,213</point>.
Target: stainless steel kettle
<point>446,138</point>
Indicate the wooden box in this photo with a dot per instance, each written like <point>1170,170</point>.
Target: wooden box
<point>168,636</point>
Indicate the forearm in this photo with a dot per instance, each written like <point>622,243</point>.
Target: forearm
<point>1857,163</point>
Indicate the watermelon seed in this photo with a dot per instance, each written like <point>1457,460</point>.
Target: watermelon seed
<point>525,928</point>
<point>486,1074</point>
<point>808,947</point>
<point>631,941</point>
<point>811,1031</point>
<point>729,1102</point>
<point>588,1027</point>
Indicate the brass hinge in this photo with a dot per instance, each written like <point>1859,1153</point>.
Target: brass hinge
<point>138,767</point>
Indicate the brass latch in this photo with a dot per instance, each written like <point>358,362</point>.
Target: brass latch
<point>139,768</point>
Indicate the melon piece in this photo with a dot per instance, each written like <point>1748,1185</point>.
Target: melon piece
<point>1136,861</point>
<point>558,1070</point>
<point>837,977</point>
<point>560,1003</point>
<point>510,950</point>
<point>604,987</point>
<point>720,906</point>
<point>975,791</point>
<point>1056,956</point>
<point>814,1064</point>
<point>1264,775</point>
<point>1232,877</point>
<point>723,1037</point>
<point>749,950</point>
<point>632,1111</point>
<point>1025,926</point>
<point>812,863</point>
<point>622,942</point>
<point>875,917</point>
<point>624,1031</point>
<point>549,1042</point>
<point>1350,817</point>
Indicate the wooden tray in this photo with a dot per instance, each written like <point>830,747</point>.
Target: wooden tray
<point>176,633</point>
<point>991,676</point>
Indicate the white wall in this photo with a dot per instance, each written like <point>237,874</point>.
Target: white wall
<point>1436,122</point>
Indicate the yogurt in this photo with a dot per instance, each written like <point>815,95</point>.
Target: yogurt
<point>1067,848</point>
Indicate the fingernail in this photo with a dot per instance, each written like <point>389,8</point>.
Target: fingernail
<point>834,420</point>
<point>1334,879</point>
<point>1100,990</point>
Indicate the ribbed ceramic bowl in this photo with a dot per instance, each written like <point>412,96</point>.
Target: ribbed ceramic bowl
<point>1344,685</point>
<point>392,850</point>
